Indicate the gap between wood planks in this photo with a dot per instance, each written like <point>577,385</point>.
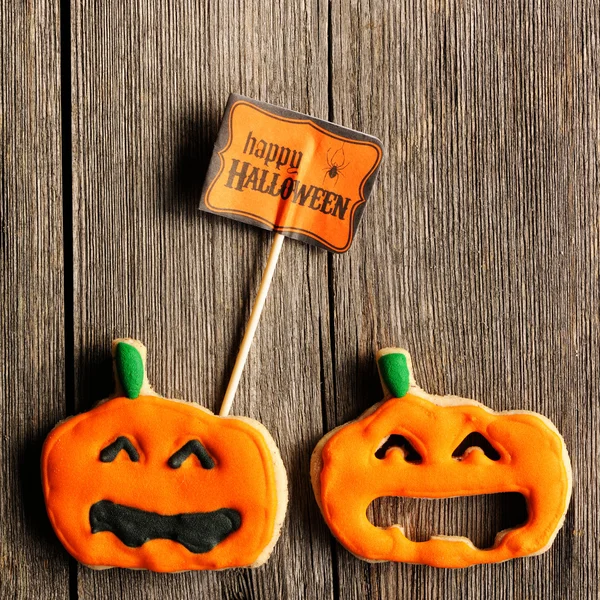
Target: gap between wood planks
<point>67,199</point>
<point>335,578</point>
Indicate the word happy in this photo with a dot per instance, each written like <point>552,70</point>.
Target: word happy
<point>243,175</point>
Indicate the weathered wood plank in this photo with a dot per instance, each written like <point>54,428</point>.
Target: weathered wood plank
<point>150,82</point>
<point>32,391</point>
<point>479,251</point>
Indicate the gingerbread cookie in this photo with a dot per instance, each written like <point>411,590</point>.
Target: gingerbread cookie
<point>144,482</point>
<point>417,445</point>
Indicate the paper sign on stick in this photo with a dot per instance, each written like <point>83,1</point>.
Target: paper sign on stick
<point>287,172</point>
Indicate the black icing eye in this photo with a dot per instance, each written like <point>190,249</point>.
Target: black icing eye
<point>476,440</point>
<point>399,441</point>
<point>111,451</point>
<point>192,447</point>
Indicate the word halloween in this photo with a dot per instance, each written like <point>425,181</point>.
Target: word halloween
<point>291,173</point>
<point>243,175</point>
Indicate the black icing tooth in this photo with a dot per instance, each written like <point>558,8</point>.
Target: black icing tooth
<point>198,532</point>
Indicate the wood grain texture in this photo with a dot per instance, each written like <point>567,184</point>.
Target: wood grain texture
<point>479,250</point>
<point>32,391</point>
<point>150,82</point>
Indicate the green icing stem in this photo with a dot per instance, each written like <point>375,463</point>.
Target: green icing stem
<point>130,368</point>
<point>395,373</point>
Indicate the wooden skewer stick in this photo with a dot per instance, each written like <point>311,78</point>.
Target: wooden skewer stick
<point>259,304</point>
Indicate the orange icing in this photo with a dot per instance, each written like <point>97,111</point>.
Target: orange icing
<point>243,479</point>
<point>533,461</point>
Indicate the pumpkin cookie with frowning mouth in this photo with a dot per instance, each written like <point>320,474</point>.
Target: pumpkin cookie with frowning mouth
<point>144,482</point>
<point>417,445</point>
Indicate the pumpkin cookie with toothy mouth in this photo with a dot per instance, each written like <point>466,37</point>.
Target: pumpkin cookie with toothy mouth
<point>417,445</point>
<point>144,482</point>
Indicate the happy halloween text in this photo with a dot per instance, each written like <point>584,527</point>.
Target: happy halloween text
<point>243,175</point>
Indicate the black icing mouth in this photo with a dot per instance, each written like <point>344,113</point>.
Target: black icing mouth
<point>198,532</point>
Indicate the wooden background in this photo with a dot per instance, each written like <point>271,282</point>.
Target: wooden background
<point>479,251</point>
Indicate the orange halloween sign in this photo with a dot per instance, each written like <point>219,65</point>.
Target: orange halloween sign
<point>284,171</point>
<point>145,482</point>
<point>417,445</point>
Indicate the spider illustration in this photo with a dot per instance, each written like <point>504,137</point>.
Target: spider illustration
<point>335,164</point>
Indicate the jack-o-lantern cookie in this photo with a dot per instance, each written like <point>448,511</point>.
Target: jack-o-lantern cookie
<point>417,445</point>
<point>144,482</point>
